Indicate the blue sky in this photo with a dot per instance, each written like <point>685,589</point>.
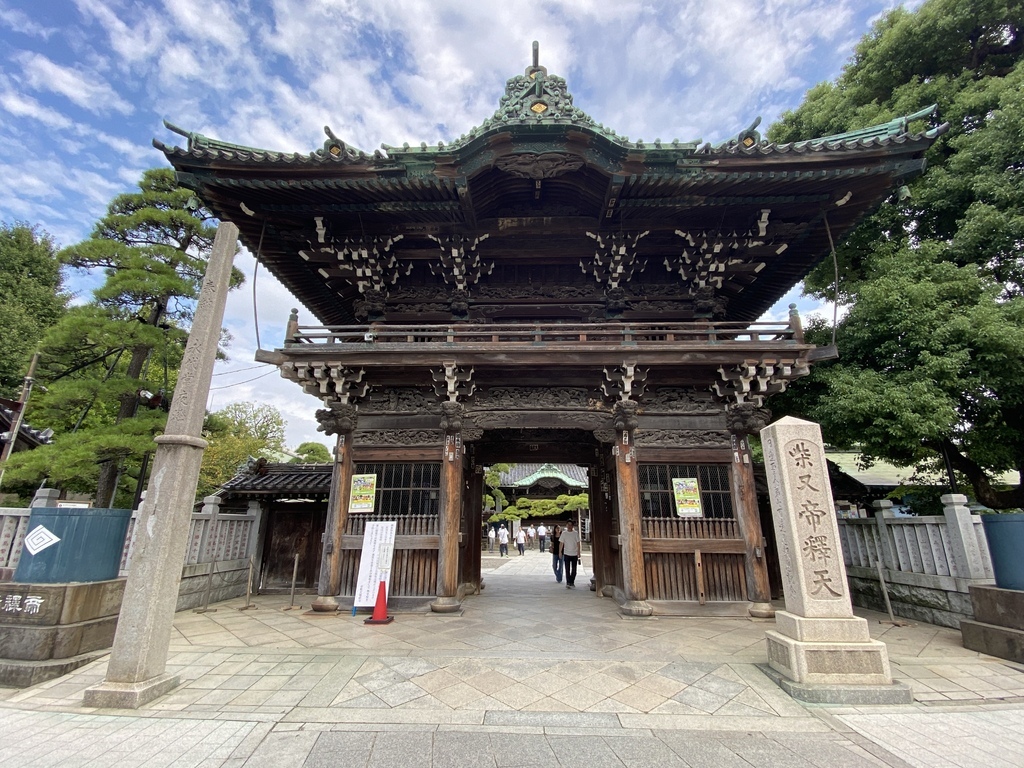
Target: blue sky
<point>86,84</point>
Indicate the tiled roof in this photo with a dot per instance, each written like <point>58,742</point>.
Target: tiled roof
<point>28,436</point>
<point>289,480</point>
<point>522,475</point>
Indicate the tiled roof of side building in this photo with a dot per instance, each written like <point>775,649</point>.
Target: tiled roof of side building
<point>280,480</point>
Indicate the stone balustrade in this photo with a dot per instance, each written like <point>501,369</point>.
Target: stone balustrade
<point>929,562</point>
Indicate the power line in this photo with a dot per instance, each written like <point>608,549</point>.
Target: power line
<point>240,383</point>
<point>241,370</point>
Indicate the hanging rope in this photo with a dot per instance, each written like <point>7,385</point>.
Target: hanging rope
<point>835,278</point>
<point>255,272</point>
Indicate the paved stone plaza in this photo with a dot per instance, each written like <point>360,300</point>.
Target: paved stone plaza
<point>529,674</point>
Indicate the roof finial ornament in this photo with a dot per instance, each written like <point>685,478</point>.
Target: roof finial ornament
<point>535,71</point>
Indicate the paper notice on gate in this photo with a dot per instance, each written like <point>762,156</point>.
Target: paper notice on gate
<point>363,495</point>
<point>687,496</point>
<point>375,562</point>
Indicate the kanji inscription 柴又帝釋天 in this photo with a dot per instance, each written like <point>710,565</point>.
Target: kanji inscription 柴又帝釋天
<point>807,533</point>
<point>816,547</point>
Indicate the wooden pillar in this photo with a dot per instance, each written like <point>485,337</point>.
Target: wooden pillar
<point>745,419</point>
<point>451,511</point>
<point>748,520</point>
<point>340,420</point>
<point>601,524</point>
<point>627,482</point>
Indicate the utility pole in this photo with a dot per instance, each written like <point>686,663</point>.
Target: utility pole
<point>12,437</point>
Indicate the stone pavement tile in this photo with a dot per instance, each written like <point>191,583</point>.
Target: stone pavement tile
<point>401,750</point>
<point>334,748</point>
<point>638,698</point>
<point>546,720</point>
<point>546,682</point>
<point>400,693</point>
<point>458,695</point>
<point>603,684</point>
<point>583,752</point>
<point>577,696</point>
<point>461,749</point>
<point>512,750</point>
<point>517,695</point>
<point>698,698</point>
<point>277,749</point>
<point>643,750</point>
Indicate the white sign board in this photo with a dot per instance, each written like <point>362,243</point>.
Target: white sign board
<point>375,562</point>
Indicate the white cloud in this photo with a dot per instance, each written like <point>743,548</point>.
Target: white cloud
<point>85,89</point>
<point>22,105</point>
<point>18,22</point>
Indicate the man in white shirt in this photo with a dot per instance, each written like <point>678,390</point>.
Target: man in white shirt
<point>569,545</point>
<point>521,541</point>
<point>532,533</point>
<point>503,541</point>
<point>542,536</point>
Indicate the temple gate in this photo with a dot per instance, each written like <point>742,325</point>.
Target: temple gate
<point>544,289</point>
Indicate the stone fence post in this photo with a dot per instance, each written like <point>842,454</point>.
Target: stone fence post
<point>887,551</point>
<point>965,552</point>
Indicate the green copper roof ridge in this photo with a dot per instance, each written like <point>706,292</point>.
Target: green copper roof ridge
<point>548,470</point>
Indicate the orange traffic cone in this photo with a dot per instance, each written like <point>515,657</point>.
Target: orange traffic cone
<point>380,610</point>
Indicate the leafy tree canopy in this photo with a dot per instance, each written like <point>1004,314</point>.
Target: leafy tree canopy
<point>933,344</point>
<point>312,453</point>
<point>234,434</point>
<point>110,364</point>
<point>32,298</point>
<point>538,508</point>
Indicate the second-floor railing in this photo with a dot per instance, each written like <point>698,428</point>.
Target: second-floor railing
<point>621,334</point>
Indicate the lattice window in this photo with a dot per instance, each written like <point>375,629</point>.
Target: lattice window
<point>404,489</point>
<point>656,498</point>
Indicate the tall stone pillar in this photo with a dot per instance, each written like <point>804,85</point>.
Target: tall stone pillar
<point>136,670</point>
<point>340,420</point>
<point>627,483</point>
<point>819,651</point>
<point>744,420</point>
<point>451,510</point>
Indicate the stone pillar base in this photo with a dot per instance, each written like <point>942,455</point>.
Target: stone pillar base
<point>109,695</point>
<point>446,605</point>
<point>636,608</point>
<point>762,610</point>
<point>851,695</point>
<point>325,604</point>
<point>836,651</point>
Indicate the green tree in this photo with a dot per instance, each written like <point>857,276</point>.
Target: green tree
<point>496,498</point>
<point>933,344</point>
<point>31,298</point>
<point>235,434</point>
<point>312,453</point>
<point>110,363</point>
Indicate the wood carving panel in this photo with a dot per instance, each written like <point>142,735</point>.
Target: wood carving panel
<point>398,437</point>
<point>677,400</point>
<point>526,397</point>
<point>666,438</point>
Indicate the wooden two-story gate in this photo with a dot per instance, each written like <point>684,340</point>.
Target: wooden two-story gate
<point>543,289</point>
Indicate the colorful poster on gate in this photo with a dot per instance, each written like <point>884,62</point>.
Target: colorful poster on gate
<point>364,492</point>
<point>687,496</point>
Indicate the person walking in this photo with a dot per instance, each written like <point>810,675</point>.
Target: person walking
<point>521,541</point>
<point>556,554</point>
<point>569,543</point>
<point>542,536</point>
<point>503,541</point>
<point>532,533</point>
<point>490,538</point>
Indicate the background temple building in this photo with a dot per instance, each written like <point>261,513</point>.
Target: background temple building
<point>545,290</point>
